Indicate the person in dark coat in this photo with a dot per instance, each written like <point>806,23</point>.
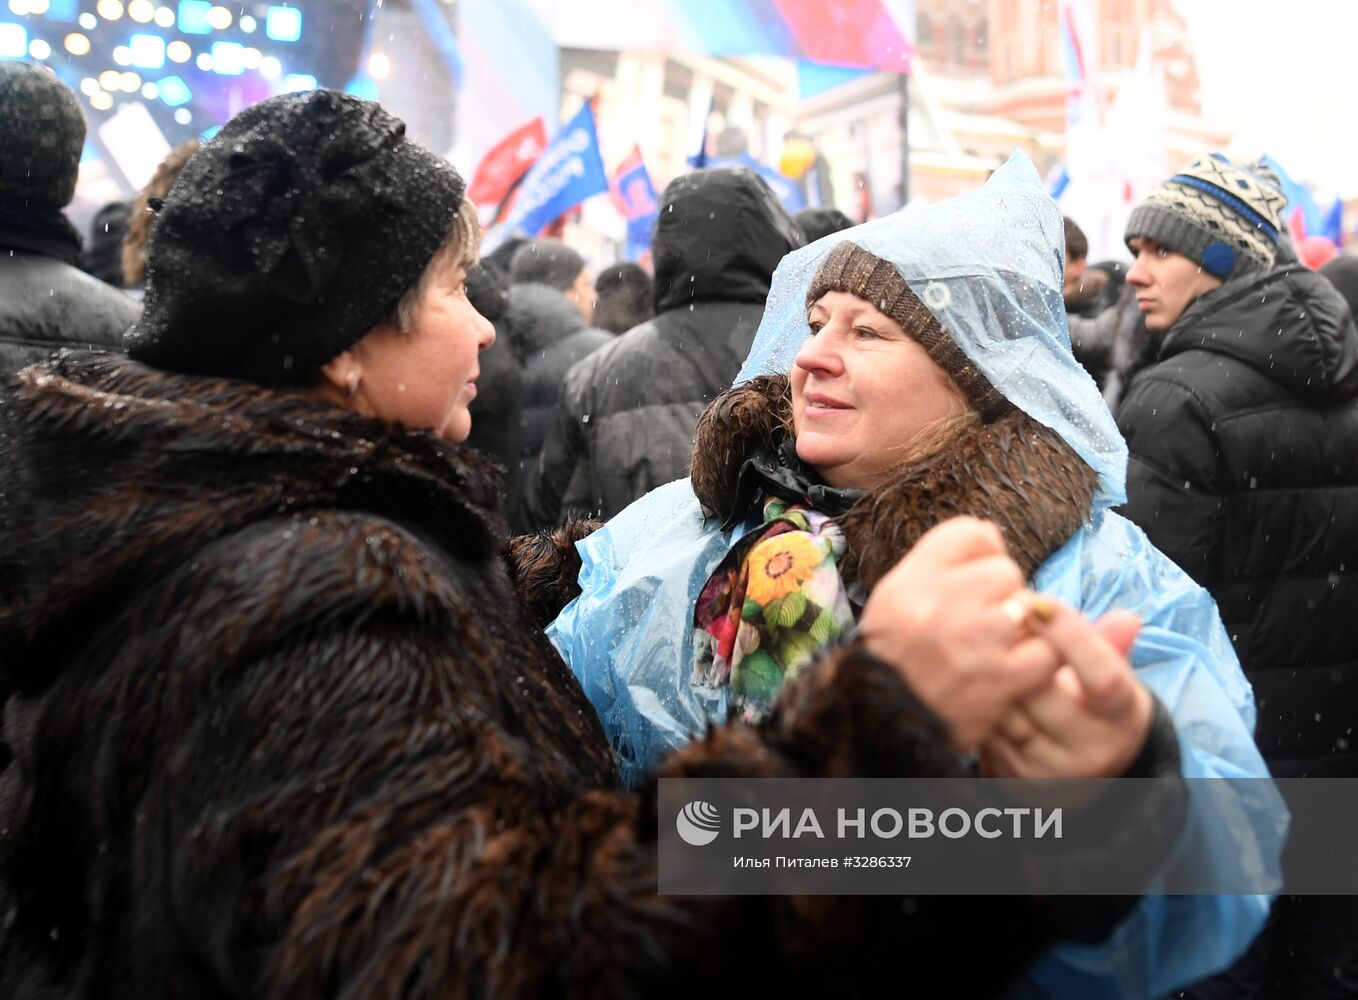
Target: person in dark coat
<point>548,335</point>
<point>46,301</point>
<point>627,413</point>
<point>280,725</point>
<point>554,264</point>
<point>1242,437</point>
<point>103,256</point>
<point>624,297</point>
<point>1342,272</point>
<point>818,222</point>
<point>495,412</point>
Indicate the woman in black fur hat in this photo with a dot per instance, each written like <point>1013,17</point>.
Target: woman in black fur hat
<point>276,723</point>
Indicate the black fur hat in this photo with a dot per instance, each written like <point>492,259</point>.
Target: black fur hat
<point>288,237</point>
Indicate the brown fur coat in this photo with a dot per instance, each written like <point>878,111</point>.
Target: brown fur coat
<point>279,728</point>
<point>1014,471</point>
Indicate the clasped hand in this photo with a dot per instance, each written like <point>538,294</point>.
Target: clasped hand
<point>1040,690</point>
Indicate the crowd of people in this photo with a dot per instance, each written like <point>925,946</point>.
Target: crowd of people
<point>357,589</point>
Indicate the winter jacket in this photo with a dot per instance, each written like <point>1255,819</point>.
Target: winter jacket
<point>496,408</point>
<point>1244,471</point>
<point>549,336</point>
<point>47,303</point>
<point>625,421</point>
<point>281,729</point>
<point>629,635</point>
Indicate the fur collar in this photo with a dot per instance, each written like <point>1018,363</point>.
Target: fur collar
<point>1013,471</point>
<point>113,472</point>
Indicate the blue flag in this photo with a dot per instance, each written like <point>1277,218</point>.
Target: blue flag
<point>568,171</point>
<point>1332,226</point>
<point>634,194</point>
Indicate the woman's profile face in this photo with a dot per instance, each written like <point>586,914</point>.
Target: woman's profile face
<point>425,377</point>
<point>862,391</point>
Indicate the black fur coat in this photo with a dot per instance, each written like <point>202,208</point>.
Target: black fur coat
<point>277,726</point>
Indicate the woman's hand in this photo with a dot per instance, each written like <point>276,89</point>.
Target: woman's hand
<point>1091,719</point>
<point>943,617</point>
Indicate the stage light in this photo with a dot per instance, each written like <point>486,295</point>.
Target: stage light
<point>252,57</point>
<point>88,21</point>
<point>174,91</point>
<point>228,58</point>
<point>64,11</point>
<point>193,17</point>
<point>37,6</point>
<point>204,62</point>
<point>270,68</point>
<point>19,8</point>
<point>148,51</point>
<point>109,10</point>
<point>13,40</point>
<point>39,49</point>
<point>111,79</point>
<point>248,24</point>
<point>379,66</point>
<point>89,86</point>
<point>183,116</point>
<point>141,10</point>
<point>219,18</point>
<point>178,51</point>
<point>150,91</point>
<point>363,86</point>
<point>77,44</point>
<point>122,55</point>
<point>165,17</point>
<point>130,81</point>
<point>101,101</point>
<point>210,133</point>
<point>283,24</point>
<point>294,82</point>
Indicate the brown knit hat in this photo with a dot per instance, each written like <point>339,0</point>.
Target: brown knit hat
<point>850,268</point>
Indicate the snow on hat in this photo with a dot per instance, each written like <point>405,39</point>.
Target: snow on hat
<point>1224,217</point>
<point>288,237</point>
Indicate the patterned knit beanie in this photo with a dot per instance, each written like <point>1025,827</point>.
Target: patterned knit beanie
<point>42,133</point>
<point>1224,217</point>
<point>850,268</point>
<point>288,237</point>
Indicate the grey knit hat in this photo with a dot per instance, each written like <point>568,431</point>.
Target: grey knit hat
<point>850,268</point>
<point>42,132</point>
<point>288,237</point>
<point>1224,217</point>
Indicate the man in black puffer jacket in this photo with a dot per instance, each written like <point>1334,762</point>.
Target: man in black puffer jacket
<point>46,302</point>
<point>627,413</point>
<point>1244,470</point>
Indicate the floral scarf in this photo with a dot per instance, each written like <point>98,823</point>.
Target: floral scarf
<point>771,606</point>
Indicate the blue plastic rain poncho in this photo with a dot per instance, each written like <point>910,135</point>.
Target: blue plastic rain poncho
<point>988,265</point>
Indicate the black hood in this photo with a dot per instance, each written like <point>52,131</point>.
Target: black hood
<point>1288,323</point>
<point>719,236</point>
